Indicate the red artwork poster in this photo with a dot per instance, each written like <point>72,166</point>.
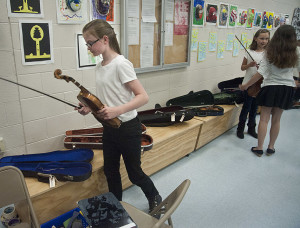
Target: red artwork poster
<point>182,9</point>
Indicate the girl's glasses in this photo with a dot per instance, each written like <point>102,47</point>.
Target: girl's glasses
<point>90,44</point>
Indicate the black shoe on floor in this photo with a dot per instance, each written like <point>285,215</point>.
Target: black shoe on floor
<point>270,152</point>
<point>251,131</point>
<point>259,153</point>
<point>154,202</point>
<point>240,134</point>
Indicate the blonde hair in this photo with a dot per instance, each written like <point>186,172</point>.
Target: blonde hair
<point>100,28</point>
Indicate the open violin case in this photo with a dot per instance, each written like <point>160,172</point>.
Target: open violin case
<point>165,116</point>
<point>230,93</point>
<point>202,103</point>
<point>66,165</point>
<point>92,138</point>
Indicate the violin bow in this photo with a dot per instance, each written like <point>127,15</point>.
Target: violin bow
<point>244,48</point>
<point>40,92</point>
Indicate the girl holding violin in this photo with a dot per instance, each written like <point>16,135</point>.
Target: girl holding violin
<point>250,65</point>
<point>119,89</point>
<point>278,85</point>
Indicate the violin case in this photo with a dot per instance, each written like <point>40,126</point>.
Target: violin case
<point>66,165</point>
<point>165,116</point>
<point>91,138</point>
<point>202,103</point>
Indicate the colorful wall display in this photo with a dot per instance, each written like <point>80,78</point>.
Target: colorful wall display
<point>198,13</point>
<point>103,9</point>
<point>223,15</point>
<point>250,18</point>
<point>36,42</point>
<point>194,40</point>
<point>257,19</point>
<point>71,11</point>
<point>221,49</point>
<point>202,47</point>
<point>242,17</point>
<point>236,48</point>
<point>211,16</point>
<point>265,19</point>
<point>85,59</point>
<point>270,16</point>
<point>229,42</point>
<point>244,40</point>
<point>276,21</point>
<point>233,12</point>
<point>25,8</point>
<point>212,42</point>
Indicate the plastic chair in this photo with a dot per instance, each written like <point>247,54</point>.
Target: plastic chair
<point>166,207</point>
<point>14,191</point>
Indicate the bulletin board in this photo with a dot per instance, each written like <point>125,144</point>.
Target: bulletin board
<point>171,26</point>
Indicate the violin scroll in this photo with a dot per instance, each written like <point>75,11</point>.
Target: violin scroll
<point>57,74</point>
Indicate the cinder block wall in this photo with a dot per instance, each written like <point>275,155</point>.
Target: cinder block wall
<point>33,123</point>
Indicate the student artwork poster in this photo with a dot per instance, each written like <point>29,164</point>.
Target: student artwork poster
<point>242,17</point>
<point>270,16</point>
<point>194,39</point>
<point>229,42</point>
<point>202,46</point>
<point>233,15</point>
<point>250,18</point>
<point>223,15</point>
<point>211,14</point>
<point>103,10</point>
<point>265,20</point>
<point>221,49</point>
<point>236,48</point>
<point>198,13</point>
<point>257,19</point>
<point>71,11</point>
<point>33,8</point>
<point>212,45</point>
<point>276,21</point>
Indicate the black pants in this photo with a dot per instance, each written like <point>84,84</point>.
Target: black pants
<point>125,141</point>
<point>249,107</point>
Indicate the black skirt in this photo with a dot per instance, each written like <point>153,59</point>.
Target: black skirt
<point>276,96</point>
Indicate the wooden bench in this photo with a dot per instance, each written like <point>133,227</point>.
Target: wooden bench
<point>169,145</point>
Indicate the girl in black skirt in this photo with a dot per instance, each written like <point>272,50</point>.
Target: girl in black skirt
<point>278,84</point>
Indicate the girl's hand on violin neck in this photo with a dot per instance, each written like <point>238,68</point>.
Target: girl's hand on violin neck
<point>107,113</point>
<point>84,110</point>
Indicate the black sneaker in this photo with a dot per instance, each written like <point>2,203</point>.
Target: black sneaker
<point>154,202</point>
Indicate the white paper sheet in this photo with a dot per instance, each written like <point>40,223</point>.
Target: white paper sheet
<point>170,10</point>
<point>147,33</point>
<point>148,11</point>
<point>169,34</point>
<point>133,31</point>
<point>146,55</point>
<point>133,8</point>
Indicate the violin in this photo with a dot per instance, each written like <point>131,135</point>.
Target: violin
<point>89,100</point>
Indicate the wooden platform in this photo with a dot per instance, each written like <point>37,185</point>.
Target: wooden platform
<point>214,126</point>
<point>169,145</point>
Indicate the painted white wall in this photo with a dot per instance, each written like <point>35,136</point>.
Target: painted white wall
<point>32,123</point>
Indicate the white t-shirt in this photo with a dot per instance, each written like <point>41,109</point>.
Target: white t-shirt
<point>257,56</point>
<point>110,84</point>
<point>275,76</point>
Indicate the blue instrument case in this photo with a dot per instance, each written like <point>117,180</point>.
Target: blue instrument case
<point>65,165</point>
